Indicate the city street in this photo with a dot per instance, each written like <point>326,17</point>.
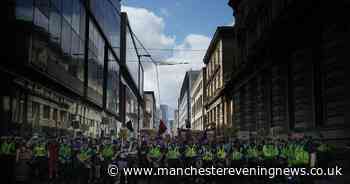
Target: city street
<point>175,92</point>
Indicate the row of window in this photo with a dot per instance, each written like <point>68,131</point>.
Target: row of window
<point>215,60</point>
<point>251,102</point>
<point>214,116</point>
<point>59,45</point>
<point>197,124</point>
<point>215,84</point>
<point>41,112</point>
<point>197,106</point>
<point>268,11</point>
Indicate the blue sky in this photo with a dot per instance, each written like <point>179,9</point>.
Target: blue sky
<point>181,25</point>
<point>188,16</point>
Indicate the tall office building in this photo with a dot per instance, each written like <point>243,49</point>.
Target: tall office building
<point>184,101</point>
<point>64,68</point>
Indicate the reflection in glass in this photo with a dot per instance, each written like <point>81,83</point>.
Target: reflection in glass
<point>76,15</point>
<point>95,63</point>
<point>131,57</point>
<point>108,16</point>
<point>55,27</point>
<point>113,85</point>
<point>41,18</point>
<point>131,107</point>
<point>24,10</point>
<point>66,38</point>
<point>67,10</point>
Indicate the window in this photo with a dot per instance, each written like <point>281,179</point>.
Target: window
<point>41,15</point>
<point>57,4</point>
<point>113,85</point>
<point>24,10</point>
<point>54,114</point>
<point>35,111</point>
<point>82,25</point>
<point>67,10</point>
<point>18,107</point>
<point>55,27</point>
<point>46,112</point>
<point>76,15</point>
<point>96,62</point>
<point>76,67</point>
<point>66,38</point>
<point>63,116</point>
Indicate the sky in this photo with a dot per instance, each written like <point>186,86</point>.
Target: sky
<point>183,26</point>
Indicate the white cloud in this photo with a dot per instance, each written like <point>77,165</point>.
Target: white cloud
<point>149,28</point>
<point>165,12</point>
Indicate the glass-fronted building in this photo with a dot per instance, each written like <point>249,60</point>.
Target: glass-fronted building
<point>65,61</point>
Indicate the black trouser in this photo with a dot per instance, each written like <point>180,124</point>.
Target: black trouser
<point>8,162</point>
<point>84,173</point>
<point>65,172</point>
<point>41,169</point>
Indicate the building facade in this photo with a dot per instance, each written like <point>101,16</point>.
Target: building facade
<point>184,101</point>
<point>171,127</point>
<point>66,68</point>
<point>197,101</point>
<point>218,61</point>
<point>289,75</point>
<point>150,108</point>
<point>176,121</point>
<point>164,113</point>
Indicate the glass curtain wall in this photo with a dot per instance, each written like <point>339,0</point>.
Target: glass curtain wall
<point>57,38</point>
<point>107,14</point>
<point>58,50</point>
<point>113,83</point>
<point>95,64</point>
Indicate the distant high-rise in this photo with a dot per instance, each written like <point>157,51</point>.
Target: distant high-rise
<point>164,113</point>
<point>185,99</point>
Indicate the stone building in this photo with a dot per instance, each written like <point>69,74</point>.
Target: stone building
<point>197,99</point>
<point>218,60</point>
<point>289,67</point>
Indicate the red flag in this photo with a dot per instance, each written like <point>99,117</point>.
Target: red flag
<point>162,127</point>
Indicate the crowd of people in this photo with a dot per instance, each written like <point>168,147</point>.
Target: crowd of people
<point>85,160</point>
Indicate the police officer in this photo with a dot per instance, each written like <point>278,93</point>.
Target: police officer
<point>154,157</point>
<point>106,156</point>
<point>7,152</point>
<point>84,155</point>
<point>237,159</point>
<point>173,161</point>
<point>208,160</point>
<point>41,160</point>
<point>65,160</point>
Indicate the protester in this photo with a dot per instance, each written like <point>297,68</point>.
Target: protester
<point>83,160</point>
<point>23,158</point>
